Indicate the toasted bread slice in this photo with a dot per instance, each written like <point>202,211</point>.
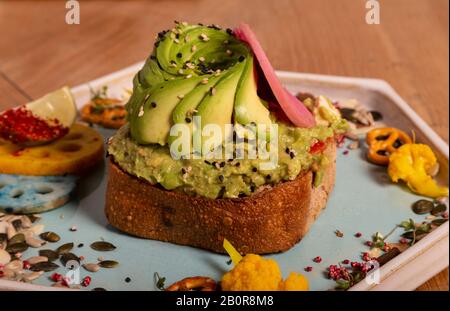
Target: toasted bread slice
<point>272,220</point>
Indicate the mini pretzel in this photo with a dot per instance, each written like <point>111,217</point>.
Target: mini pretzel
<point>383,141</point>
<point>111,115</point>
<point>195,283</point>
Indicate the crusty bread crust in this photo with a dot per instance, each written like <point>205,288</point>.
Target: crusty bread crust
<point>270,221</point>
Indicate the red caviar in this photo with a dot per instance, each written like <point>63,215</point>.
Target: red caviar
<point>20,125</point>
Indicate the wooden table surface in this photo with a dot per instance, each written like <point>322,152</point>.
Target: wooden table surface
<point>409,48</point>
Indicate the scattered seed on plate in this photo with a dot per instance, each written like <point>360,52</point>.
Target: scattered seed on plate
<point>422,207</point>
<point>91,267</point>
<point>45,266</point>
<point>17,248</point>
<point>36,259</point>
<point>102,246</point>
<point>50,236</point>
<point>73,228</point>
<point>358,234</point>
<point>438,209</point>
<point>50,254</point>
<point>108,264</point>
<point>339,233</point>
<point>68,258</point>
<point>65,248</point>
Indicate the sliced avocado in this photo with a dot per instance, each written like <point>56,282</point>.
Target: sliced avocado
<point>152,118</point>
<point>217,106</point>
<point>248,107</point>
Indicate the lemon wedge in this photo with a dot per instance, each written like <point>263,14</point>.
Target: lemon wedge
<point>58,105</point>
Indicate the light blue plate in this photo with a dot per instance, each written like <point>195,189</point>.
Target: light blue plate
<point>362,201</point>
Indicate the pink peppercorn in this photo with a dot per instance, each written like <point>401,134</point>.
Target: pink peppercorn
<point>56,277</point>
<point>358,234</point>
<point>26,265</point>
<point>86,281</point>
<point>345,152</point>
<point>404,241</point>
<point>308,269</point>
<point>317,259</point>
<point>345,261</point>
<point>369,243</point>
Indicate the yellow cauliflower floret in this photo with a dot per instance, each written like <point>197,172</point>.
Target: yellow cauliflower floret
<point>254,273</point>
<point>296,282</point>
<point>412,163</point>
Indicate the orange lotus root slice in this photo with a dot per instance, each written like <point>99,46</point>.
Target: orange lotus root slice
<point>78,151</point>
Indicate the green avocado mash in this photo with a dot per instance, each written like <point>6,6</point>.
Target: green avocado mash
<point>225,179</point>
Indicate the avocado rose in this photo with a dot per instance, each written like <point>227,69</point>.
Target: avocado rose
<point>197,70</point>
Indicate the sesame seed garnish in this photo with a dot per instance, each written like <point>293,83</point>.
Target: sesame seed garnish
<point>141,111</point>
<point>176,40</point>
<point>180,71</point>
<point>188,120</point>
<point>201,58</point>
<point>183,171</point>
<point>179,55</point>
<point>204,37</point>
<point>193,48</point>
<point>218,71</point>
<point>212,91</point>
<point>229,52</point>
<point>205,81</point>
<point>153,104</point>
<point>254,170</point>
<point>73,228</point>
<point>184,23</point>
<point>226,42</point>
<point>190,65</point>
<point>292,154</point>
<point>241,58</point>
<point>180,96</point>
<point>173,63</point>
<point>221,178</point>
<point>188,76</point>
<point>222,164</point>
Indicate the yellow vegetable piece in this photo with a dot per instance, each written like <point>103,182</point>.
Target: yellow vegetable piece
<point>296,282</point>
<point>232,252</point>
<point>412,164</point>
<point>254,273</point>
<point>76,152</point>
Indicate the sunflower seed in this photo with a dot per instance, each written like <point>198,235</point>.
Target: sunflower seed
<point>108,264</point>
<point>16,248</point>
<point>438,209</point>
<point>18,238</point>
<point>45,266</point>
<point>50,236</point>
<point>91,267</point>
<point>50,254</point>
<point>65,248</point>
<point>422,207</point>
<point>28,277</point>
<point>37,259</point>
<point>102,246</point>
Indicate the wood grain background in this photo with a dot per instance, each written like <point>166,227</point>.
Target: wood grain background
<point>39,52</point>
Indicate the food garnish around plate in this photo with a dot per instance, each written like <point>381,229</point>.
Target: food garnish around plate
<point>41,121</point>
<point>104,110</point>
<point>223,78</point>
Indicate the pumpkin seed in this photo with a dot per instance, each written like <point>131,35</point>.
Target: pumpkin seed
<point>45,266</point>
<point>91,267</point>
<point>33,242</point>
<point>422,207</point>
<point>50,236</point>
<point>68,257</point>
<point>102,246</point>
<point>438,209</point>
<point>65,248</point>
<point>16,248</point>
<point>98,289</point>
<point>438,222</point>
<point>18,238</point>
<point>32,276</point>
<point>108,264</point>
<point>37,259</point>
<point>50,254</point>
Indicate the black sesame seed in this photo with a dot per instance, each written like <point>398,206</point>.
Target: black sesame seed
<point>287,150</point>
<point>221,178</point>
<point>179,55</point>
<point>254,170</point>
<point>153,104</point>
<point>238,164</point>
<point>229,31</point>
<point>222,164</point>
<point>188,120</point>
<point>252,188</point>
<point>292,154</point>
<point>128,279</point>
<point>241,194</point>
<point>207,162</point>
<point>241,58</point>
<point>268,177</point>
<point>200,24</point>
<point>183,171</point>
<point>156,44</point>
<point>177,36</point>
<point>80,245</point>
<point>152,57</point>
